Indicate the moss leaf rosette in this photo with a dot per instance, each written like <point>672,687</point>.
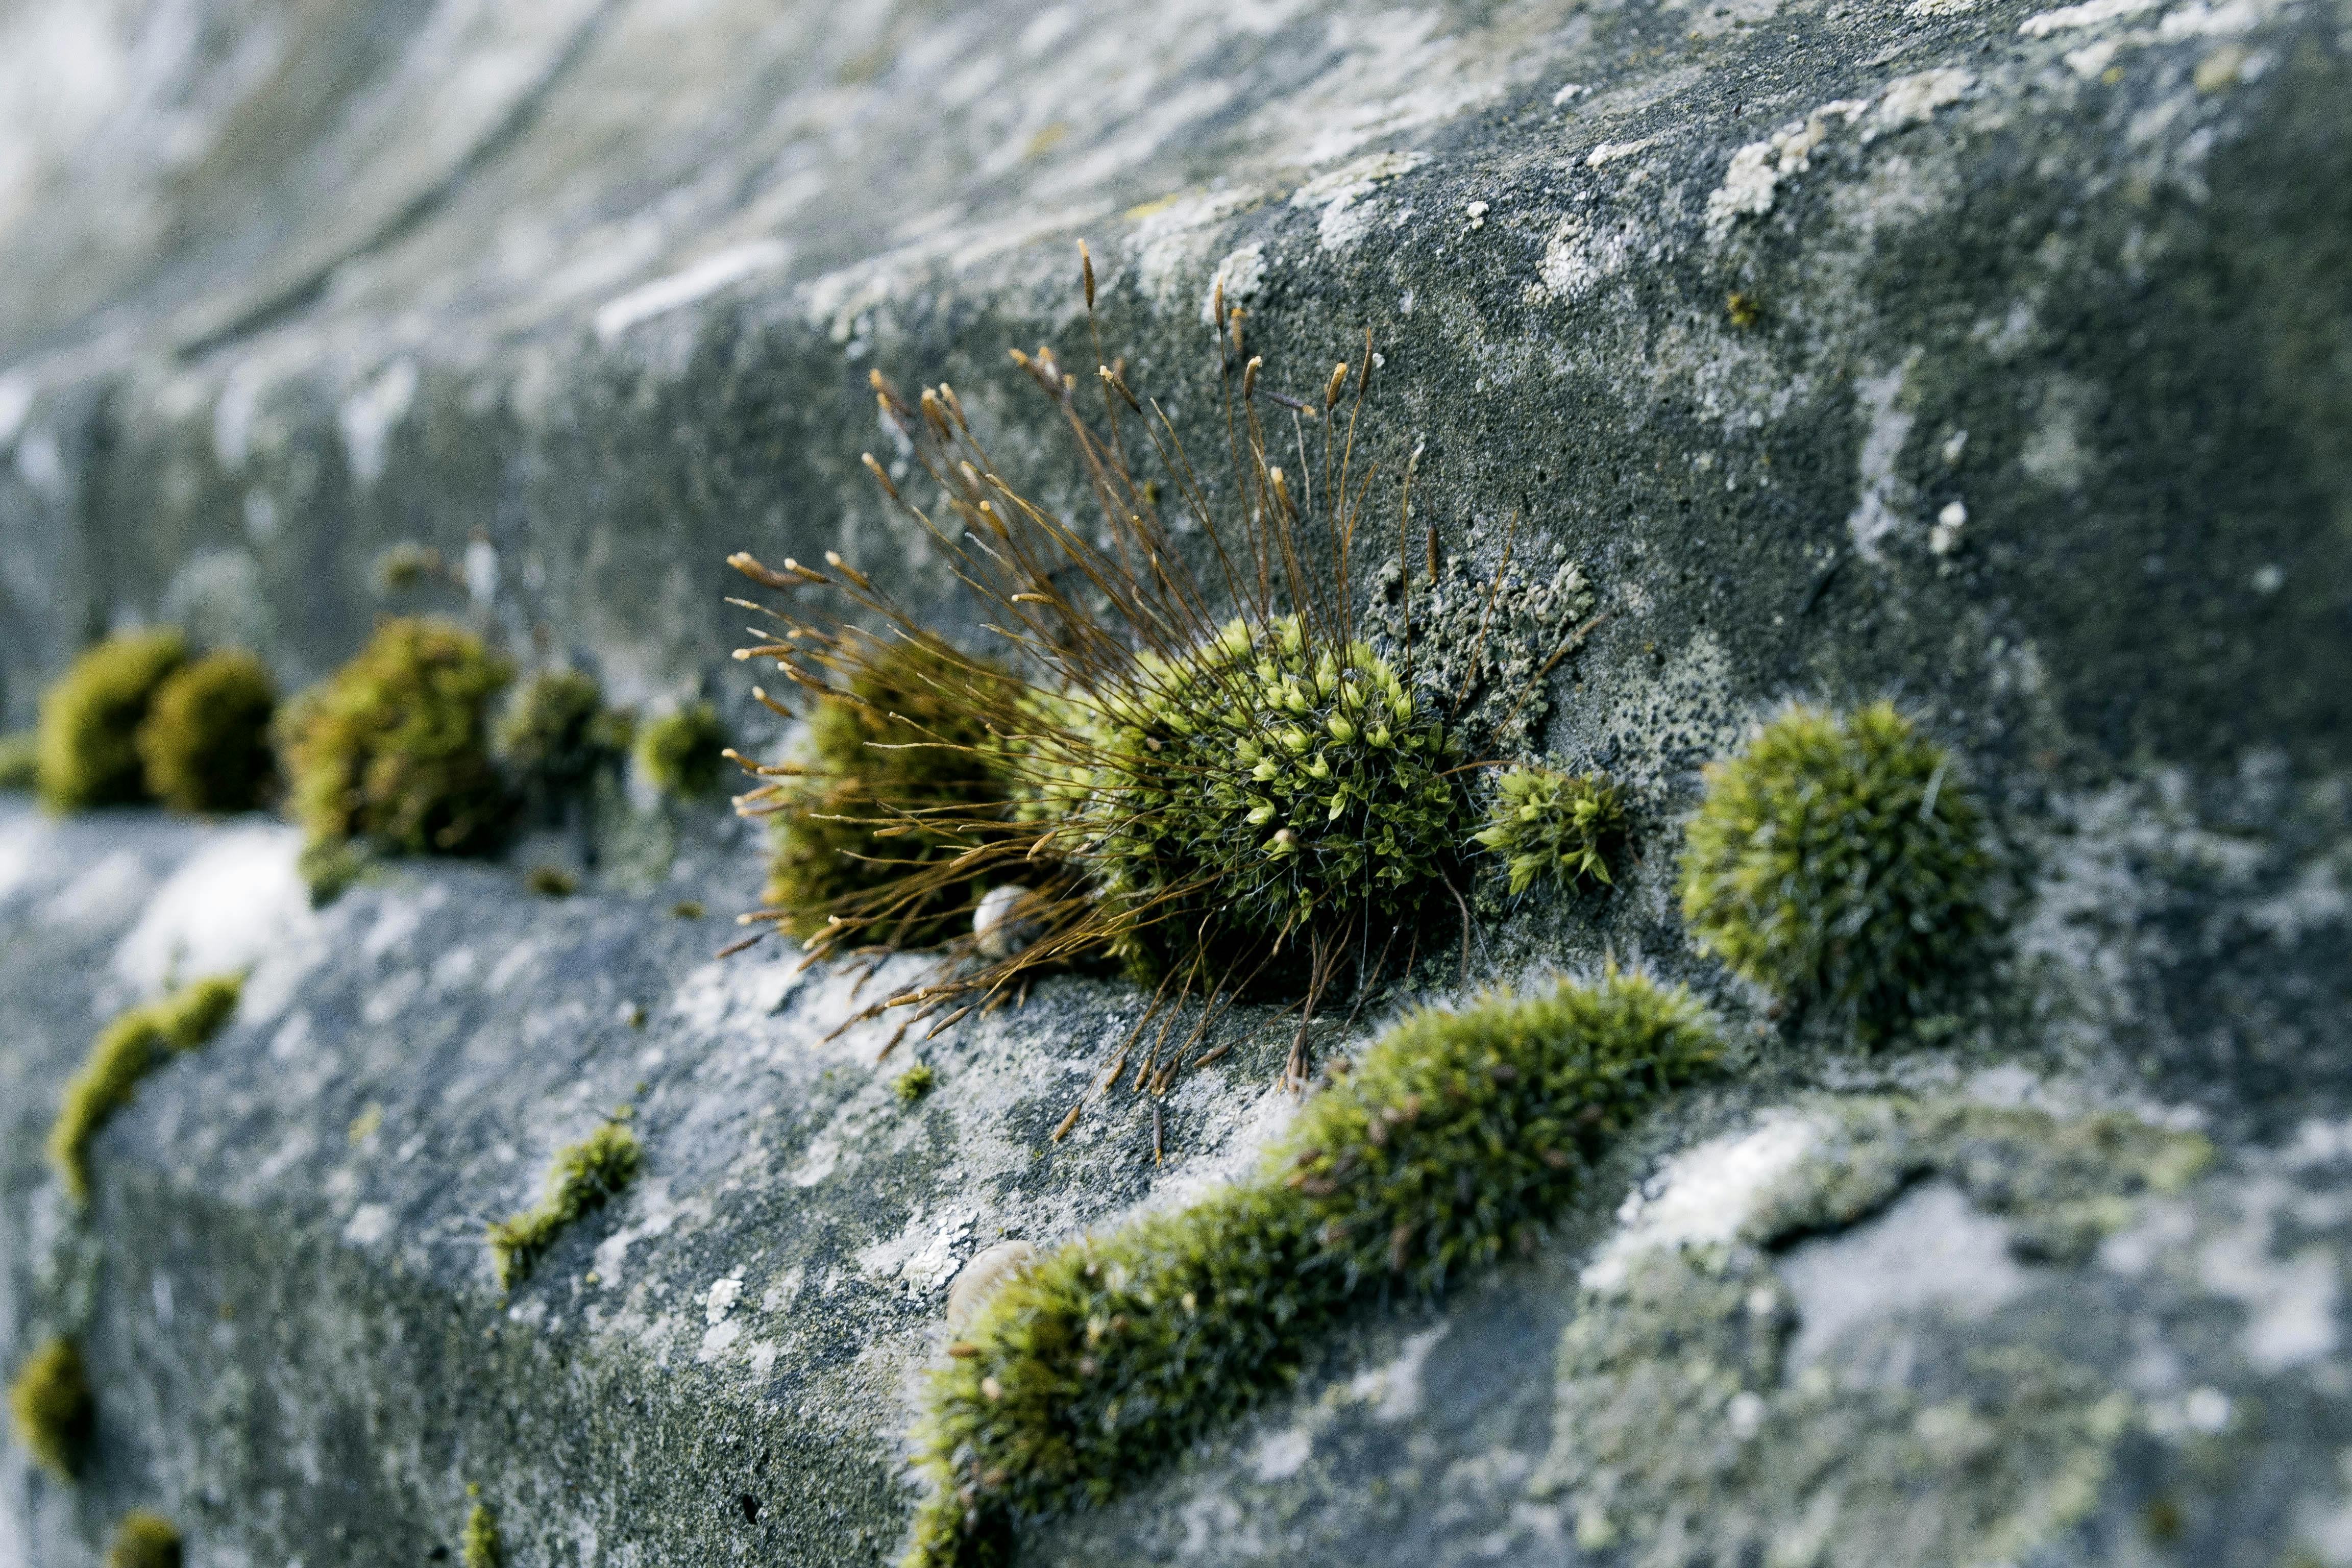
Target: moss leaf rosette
<point>1554,825</point>
<point>1457,1137</point>
<point>1838,862</point>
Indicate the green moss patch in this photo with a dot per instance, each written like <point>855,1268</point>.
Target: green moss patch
<point>586,1177</point>
<point>49,1399</point>
<point>557,734</point>
<point>681,752</point>
<point>1837,861</point>
<point>480,1548</point>
<point>125,1052</point>
<point>1457,1137</point>
<point>20,761</point>
<point>204,743</point>
<point>145,1540</point>
<point>90,717</point>
<point>1560,826</point>
<point>392,750</point>
<point>914,1083</point>
<point>905,734</point>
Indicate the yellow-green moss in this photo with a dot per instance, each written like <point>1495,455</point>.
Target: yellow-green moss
<point>393,749</point>
<point>905,735</point>
<point>55,1416</point>
<point>125,1052</point>
<point>1560,826</point>
<point>145,1540</point>
<point>679,751</point>
<point>914,1083</point>
<point>20,761</point>
<point>1837,861</point>
<point>586,1176</point>
<point>550,882</point>
<point>204,743</point>
<point>1457,1137</point>
<point>481,1547</point>
<point>91,719</point>
<point>557,733</point>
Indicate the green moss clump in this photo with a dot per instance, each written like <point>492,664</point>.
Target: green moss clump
<point>125,1052</point>
<point>1256,787</point>
<point>54,1413</point>
<point>550,882</point>
<point>905,735</point>
<point>1837,861</point>
<point>393,749</point>
<point>204,743</point>
<point>91,719</point>
<point>145,1540</point>
<point>679,752</point>
<point>1560,826</point>
<point>914,1083</point>
<point>481,1547</point>
<point>20,761</point>
<point>557,734</point>
<point>585,1177</point>
<point>1457,1137</point>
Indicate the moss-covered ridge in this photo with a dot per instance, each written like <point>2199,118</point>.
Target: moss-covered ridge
<point>125,1052</point>
<point>585,1177</point>
<point>1456,1136</point>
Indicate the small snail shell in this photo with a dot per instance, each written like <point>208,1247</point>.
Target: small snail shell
<point>999,925</point>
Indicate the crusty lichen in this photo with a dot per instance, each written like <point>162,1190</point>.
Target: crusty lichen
<point>1837,861</point>
<point>392,750</point>
<point>585,1177</point>
<point>1457,1135</point>
<point>145,1540</point>
<point>125,1052</point>
<point>51,1401</point>
<point>90,717</point>
<point>1561,827</point>
<point>204,743</point>
<point>682,753</point>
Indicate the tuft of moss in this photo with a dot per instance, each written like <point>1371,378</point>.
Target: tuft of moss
<point>550,882</point>
<point>906,733</point>
<point>90,717</point>
<point>1258,786</point>
<point>20,761</point>
<point>481,1547</point>
<point>145,1540</point>
<point>1560,826</point>
<point>393,749</point>
<point>914,1083</point>
<point>125,1052</point>
<point>204,743</point>
<point>585,1177</point>
<point>1457,1137</point>
<point>1837,861</point>
<point>54,1413</point>
<point>679,751</point>
<point>557,733</point>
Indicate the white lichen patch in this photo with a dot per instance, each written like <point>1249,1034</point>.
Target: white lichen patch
<point>2090,14</point>
<point>1882,494</point>
<point>1930,1249</point>
<point>1703,1197</point>
<point>235,901</point>
<point>923,1256</point>
<point>1343,195</point>
<point>1394,1389</point>
<point>1756,169</point>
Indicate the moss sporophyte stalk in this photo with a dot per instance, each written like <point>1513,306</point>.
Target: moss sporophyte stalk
<point>586,1176</point>
<point>1183,757</point>
<point>125,1052</point>
<point>1456,1139</point>
<point>50,1402</point>
<point>1838,862</point>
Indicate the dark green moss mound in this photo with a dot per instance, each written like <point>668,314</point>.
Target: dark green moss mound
<point>681,752</point>
<point>1455,1137</point>
<point>90,717</point>
<point>1563,826</point>
<point>393,749</point>
<point>144,1540</point>
<point>557,734</point>
<point>204,743</point>
<point>1837,861</point>
<point>49,1399</point>
<point>905,735</point>
<point>20,761</point>
<point>586,1177</point>
<point>1262,786</point>
<point>125,1052</point>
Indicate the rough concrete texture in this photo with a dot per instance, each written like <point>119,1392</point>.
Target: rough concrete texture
<point>1995,357</point>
